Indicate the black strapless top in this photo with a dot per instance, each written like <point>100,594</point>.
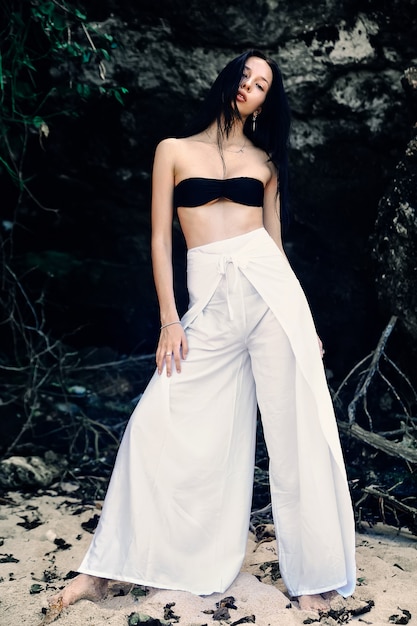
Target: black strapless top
<point>192,192</point>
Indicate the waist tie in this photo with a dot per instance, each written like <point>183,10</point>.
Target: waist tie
<point>236,262</point>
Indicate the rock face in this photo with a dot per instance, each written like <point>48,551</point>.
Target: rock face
<point>395,236</point>
<point>342,64</point>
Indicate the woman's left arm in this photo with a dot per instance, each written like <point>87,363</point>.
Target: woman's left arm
<point>272,212</point>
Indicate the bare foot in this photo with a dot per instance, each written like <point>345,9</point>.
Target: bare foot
<point>316,602</point>
<point>82,587</point>
<point>330,595</point>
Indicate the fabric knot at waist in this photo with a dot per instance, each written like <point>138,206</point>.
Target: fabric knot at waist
<point>226,264</point>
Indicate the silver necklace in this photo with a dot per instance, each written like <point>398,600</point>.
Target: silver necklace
<point>237,151</point>
<point>220,147</point>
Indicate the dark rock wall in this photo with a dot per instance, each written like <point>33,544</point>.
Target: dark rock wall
<point>342,63</point>
<point>395,234</point>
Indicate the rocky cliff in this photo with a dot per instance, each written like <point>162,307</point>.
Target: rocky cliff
<point>343,64</point>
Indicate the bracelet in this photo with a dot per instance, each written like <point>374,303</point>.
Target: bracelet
<point>169,324</point>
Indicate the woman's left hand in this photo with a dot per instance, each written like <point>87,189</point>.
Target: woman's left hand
<point>172,348</point>
<point>320,347</point>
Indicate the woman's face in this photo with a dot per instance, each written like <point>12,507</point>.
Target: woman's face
<point>255,84</point>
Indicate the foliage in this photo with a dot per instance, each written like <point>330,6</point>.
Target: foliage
<point>49,54</point>
<point>44,45</point>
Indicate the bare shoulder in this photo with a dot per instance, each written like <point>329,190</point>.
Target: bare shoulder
<point>171,144</point>
<point>172,152</point>
<point>166,146</point>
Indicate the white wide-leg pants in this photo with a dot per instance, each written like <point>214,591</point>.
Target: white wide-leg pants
<point>176,514</point>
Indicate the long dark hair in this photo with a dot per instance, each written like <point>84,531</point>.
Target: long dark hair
<point>272,125</point>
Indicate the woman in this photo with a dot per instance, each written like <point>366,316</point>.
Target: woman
<point>177,511</point>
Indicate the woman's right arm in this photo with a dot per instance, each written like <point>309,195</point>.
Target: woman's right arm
<point>172,339</point>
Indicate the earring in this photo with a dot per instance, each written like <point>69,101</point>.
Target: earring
<point>254,116</point>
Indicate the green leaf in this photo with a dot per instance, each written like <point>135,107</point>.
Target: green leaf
<point>28,62</point>
<point>105,54</point>
<point>83,90</point>
<point>118,97</point>
<point>81,16</point>
<point>38,121</point>
<point>36,13</point>
<point>59,22</point>
<point>74,49</point>
<point>47,8</point>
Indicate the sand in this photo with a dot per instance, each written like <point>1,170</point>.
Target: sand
<point>42,539</point>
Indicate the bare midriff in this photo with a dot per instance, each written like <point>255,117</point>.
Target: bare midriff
<point>220,219</point>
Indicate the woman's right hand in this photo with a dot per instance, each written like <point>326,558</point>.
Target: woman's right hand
<point>172,346</point>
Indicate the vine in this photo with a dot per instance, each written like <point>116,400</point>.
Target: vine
<point>44,43</point>
<point>50,54</point>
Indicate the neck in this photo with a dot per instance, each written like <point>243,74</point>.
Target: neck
<point>235,138</point>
